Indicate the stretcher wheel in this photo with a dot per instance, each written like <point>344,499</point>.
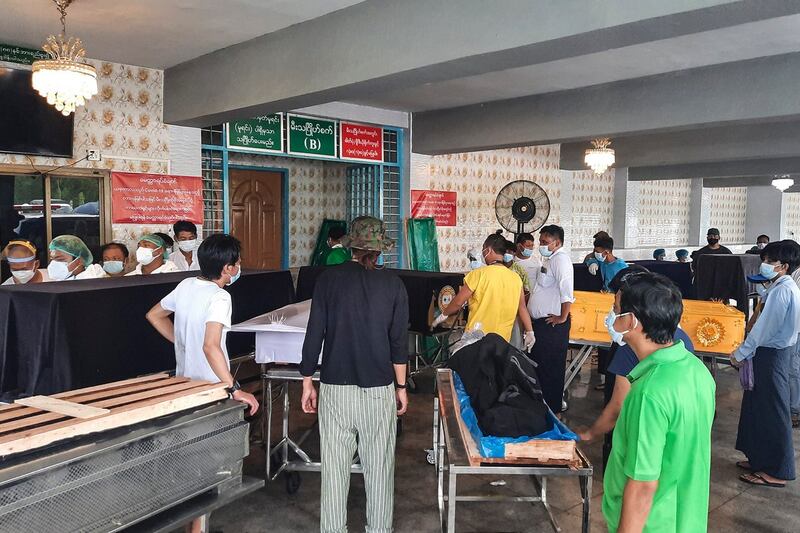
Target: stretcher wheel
<point>293,482</point>
<point>431,457</point>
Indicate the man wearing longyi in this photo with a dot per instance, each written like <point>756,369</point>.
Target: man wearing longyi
<point>361,314</point>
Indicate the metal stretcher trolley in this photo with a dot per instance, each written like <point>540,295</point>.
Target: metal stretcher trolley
<point>457,455</point>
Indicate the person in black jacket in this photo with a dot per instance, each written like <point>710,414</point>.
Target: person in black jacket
<point>361,315</point>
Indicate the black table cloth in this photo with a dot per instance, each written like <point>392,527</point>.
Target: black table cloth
<point>420,286</point>
<point>725,277</point>
<point>66,335</point>
<point>679,273</point>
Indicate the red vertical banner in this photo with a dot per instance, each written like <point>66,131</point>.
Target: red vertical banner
<point>358,142</point>
<point>440,205</point>
<point>155,198</point>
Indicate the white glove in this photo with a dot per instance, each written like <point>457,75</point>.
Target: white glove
<point>593,268</point>
<point>438,320</point>
<point>529,339</point>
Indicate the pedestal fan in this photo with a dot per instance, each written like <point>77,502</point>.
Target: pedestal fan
<point>522,207</point>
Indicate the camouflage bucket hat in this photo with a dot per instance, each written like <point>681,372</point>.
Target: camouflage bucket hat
<point>368,233</point>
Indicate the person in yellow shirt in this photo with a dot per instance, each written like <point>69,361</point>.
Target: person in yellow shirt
<point>494,295</point>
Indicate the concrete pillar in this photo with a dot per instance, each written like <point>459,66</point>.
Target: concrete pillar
<point>765,210</point>
<point>699,213</point>
<point>625,222</point>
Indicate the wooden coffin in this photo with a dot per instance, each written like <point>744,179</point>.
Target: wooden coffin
<point>713,327</point>
<point>33,422</point>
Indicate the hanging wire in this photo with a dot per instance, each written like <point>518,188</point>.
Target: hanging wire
<point>62,6</point>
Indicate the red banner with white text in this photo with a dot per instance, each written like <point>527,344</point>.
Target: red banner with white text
<point>361,143</point>
<point>440,205</point>
<point>155,198</point>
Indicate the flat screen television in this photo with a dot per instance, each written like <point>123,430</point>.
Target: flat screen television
<point>28,124</point>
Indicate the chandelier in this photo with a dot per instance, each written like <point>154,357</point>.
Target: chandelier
<point>64,79</point>
<point>600,157</point>
<point>783,183</point>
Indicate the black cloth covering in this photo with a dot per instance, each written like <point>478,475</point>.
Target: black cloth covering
<point>66,335</point>
<point>679,273</point>
<point>550,355</point>
<point>725,277</point>
<point>765,423</point>
<point>420,287</point>
<point>503,388</point>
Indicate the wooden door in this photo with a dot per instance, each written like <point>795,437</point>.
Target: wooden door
<point>257,217</point>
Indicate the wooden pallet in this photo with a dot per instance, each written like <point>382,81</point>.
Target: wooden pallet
<point>533,452</point>
<point>37,421</point>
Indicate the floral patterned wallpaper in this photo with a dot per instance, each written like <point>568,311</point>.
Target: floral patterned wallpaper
<point>477,177</point>
<point>791,213</point>
<point>592,206</point>
<point>663,210</point>
<point>728,213</point>
<point>124,120</point>
<point>316,191</point>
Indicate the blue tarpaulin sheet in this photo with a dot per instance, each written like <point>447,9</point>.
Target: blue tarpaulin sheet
<point>495,447</point>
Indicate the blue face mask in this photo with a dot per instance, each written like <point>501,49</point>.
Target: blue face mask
<point>616,336</point>
<point>474,264</point>
<point>599,256</point>
<point>527,252</point>
<point>113,267</point>
<point>507,257</point>
<point>545,251</point>
<point>235,276</point>
<point>380,261</point>
<point>767,270</point>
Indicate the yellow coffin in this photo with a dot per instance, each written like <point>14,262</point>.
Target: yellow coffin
<point>713,327</point>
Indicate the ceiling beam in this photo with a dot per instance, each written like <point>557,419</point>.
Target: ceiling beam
<point>381,45</point>
<point>758,90</point>
<point>723,143</point>
<point>722,169</point>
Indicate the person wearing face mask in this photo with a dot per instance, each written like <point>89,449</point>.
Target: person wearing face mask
<point>682,255</point>
<point>549,307</point>
<point>765,429</point>
<point>21,258</point>
<point>525,256</point>
<point>186,236</point>
<point>761,242</point>
<point>494,295</point>
<point>70,259</point>
<point>605,261</point>
<point>115,259</point>
<point>622,360</point>
<point>598,235</point>
<point>713,247</point>
<point>336,253</point>
<point>152,257</point>
<point>659,470</point>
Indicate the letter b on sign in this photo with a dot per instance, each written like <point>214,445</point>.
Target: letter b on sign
<point>312,143</point>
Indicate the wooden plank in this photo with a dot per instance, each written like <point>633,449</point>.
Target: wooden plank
<point>94,393</point>
<point>124,416</point>
<point>473,455</point>
<point>542,450</point>
<point>56,405</point>
<point>31,421</point>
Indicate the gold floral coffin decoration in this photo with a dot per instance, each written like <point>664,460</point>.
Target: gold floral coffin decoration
<point>713,327</point>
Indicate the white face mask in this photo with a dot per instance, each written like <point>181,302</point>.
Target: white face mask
<point>599,256</point>
<point>761,245</point>
<point>23,276</point>
<point>145,256</point>
<point>616,336</point>
<point>59,270</point>
<point>187,246</point>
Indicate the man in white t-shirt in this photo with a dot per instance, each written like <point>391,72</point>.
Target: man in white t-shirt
<point>202,311</point>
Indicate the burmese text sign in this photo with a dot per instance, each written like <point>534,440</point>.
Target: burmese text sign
<point>440,205</point>
<point>360,142</point>
<point>311,136</point>
<point>155,198</point>
<point>260,134</point>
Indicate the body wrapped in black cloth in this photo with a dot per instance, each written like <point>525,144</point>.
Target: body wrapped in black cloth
<point>503,388</point>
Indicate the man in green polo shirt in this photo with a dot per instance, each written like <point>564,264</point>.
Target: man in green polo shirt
<point>657,479</point>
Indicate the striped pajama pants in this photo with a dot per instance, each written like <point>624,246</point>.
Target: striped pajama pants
<point>347,412</point>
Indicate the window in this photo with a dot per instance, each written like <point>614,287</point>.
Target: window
<point>38,207</point>
<point>213,192</point>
